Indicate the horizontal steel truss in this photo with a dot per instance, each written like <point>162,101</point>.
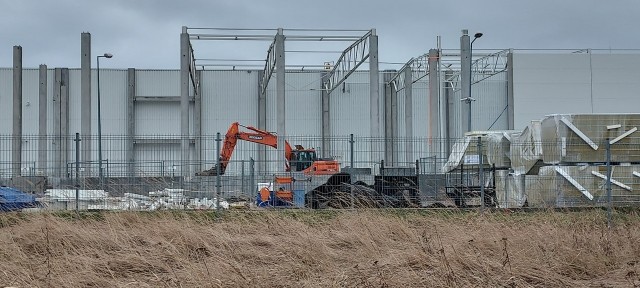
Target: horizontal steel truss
<point>419,69</point>
<point>481,69</point>
<point>195,82</point>
<point>350,59</point>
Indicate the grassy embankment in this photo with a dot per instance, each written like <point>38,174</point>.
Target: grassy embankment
<point>320,249</point>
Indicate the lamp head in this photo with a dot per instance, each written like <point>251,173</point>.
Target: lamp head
<point>477,35</point>
<point>109,55</point>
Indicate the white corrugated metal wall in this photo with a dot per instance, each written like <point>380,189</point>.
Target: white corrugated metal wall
<point>574,83</point>
<point>229,96</point>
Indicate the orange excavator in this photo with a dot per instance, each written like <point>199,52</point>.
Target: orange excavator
<point>300,159</point>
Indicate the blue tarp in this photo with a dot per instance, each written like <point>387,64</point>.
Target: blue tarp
<point>13,199</point>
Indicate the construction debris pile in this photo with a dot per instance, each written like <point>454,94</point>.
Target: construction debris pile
<point>69,199</point>
<point>387,192</point>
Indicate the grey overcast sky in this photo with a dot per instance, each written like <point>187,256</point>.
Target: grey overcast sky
<point>145,33</point>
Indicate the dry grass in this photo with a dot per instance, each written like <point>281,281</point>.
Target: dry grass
<point>320,249</point>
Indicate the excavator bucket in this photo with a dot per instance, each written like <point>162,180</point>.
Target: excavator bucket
<point>210,172</point>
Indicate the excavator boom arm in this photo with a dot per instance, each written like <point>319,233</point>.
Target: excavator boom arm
<point>231,139</point>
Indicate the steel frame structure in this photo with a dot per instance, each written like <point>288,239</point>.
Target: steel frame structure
<point>363,48</point>
<point>481,68</point>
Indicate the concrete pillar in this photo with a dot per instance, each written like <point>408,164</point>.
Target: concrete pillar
<point>389,91</point>
<point>64,121</point>
<point>197,121</point>
<point>57,136</point>
<point>450,128</point>
<point>395,139</point>
<point>465,77</point>
<point>408,115</point>
<point>185,63</point>
<point>16,146</point>
<point>434,109</point>
<point>85,98</point>
<point>326,121</point>
<point>131,121</point>
<point>280,99</point>
<point>262,122</point>
<point>42,122</point>
<point>61,120</point>
<point>374,94</point>
<point>510,116</point>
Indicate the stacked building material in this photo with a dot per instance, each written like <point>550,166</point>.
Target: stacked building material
<point>563,160</point>
<point>495,147</point>
<point>526,150</point>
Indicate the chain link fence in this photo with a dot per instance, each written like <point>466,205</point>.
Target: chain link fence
<point>488,170</point>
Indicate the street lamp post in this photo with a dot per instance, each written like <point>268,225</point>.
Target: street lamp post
<point>100,171</point>
<point>468,100</point>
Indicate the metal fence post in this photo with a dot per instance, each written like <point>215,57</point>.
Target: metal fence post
<point>481,171</point>
<point>252,177</point>
<point>609,201</point>
<point>351,143</point>
<point>242,176</point>
<point>218,171</point>
<point>77,140</point>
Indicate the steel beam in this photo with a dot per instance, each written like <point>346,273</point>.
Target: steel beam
<point>269,67</point>
<point>351,58</point>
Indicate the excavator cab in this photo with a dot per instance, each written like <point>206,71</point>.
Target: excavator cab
<point>302,159</point>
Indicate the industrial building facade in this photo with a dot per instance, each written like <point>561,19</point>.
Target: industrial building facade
<point>154,121</point>
<point>141,110</point>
